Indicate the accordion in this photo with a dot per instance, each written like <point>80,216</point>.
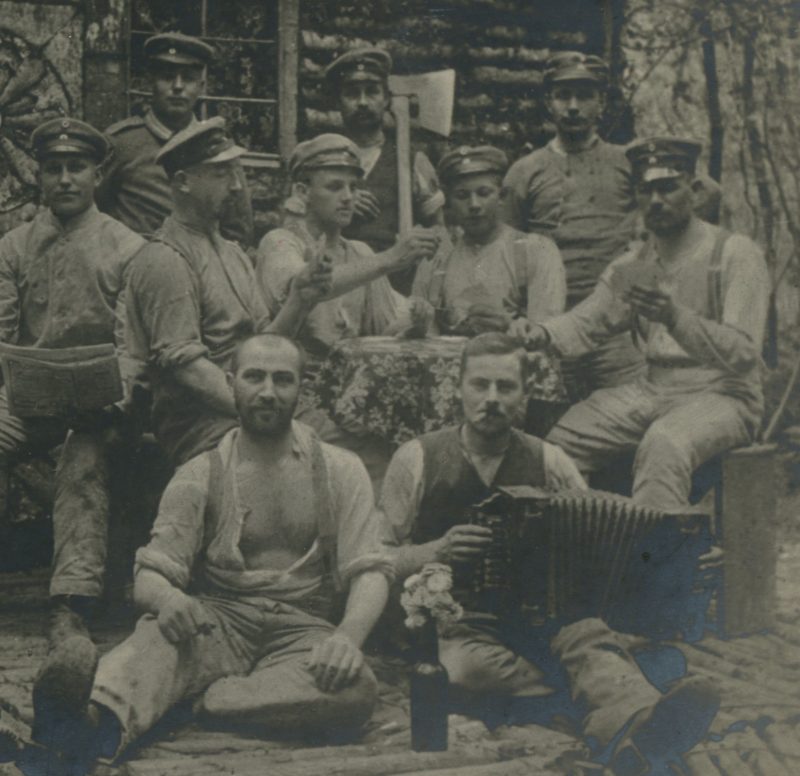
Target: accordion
<point>576,554</point>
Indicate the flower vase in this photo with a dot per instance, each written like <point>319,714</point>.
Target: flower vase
<point>429,701</point>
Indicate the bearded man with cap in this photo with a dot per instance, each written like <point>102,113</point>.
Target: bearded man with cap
<point>135,189</point>
<point>695,298</point>
<point>192,295</point>
<point>325,172</point>
<point>62,278</point>
<point>578,190</point>
<point>494,273</point>
<point>359,79</point>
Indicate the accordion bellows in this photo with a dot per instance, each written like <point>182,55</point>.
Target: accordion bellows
<point>576,554</point>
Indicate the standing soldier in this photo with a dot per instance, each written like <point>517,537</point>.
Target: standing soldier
<point>359,78</point>
<point>135,189</point>
<point>578,190</point>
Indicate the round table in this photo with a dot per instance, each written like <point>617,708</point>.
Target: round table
<point>398,389</point>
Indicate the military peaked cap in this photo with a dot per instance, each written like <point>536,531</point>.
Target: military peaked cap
<point>178,49</point>
<point>471,160</point>
<point>575,66</point>
<point>654,158</point>
<point>69,136</point>
<point>363,63</point>
<point>328,150</point>
<point>203,142</point>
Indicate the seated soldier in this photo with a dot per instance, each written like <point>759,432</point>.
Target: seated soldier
<point>430,483</point>
<point>192,295</point>
<point>494,272</point>
<point>61,281</point>
<point>361,302</point>
<point>695,298</point>
<point>267,527</point>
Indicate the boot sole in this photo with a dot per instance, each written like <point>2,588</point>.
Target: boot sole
<point>676,724</point>
<point>62,690</point>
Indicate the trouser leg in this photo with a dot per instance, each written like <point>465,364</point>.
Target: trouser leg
<point>280,692</point>
<point>80,516</point>
<point>479,662</point>
<point>17,435</point>
<point>144,676</point>
<point>604,678</point>
<point>685,436</point>
<point>608,423</point>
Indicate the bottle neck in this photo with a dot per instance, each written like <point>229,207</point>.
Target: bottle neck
<point>426,642</point>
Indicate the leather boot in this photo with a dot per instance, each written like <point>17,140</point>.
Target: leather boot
<point>64,683</point>
<point>662,733</point>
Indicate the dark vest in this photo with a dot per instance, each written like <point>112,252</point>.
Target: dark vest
<point>381,232</point>
<point>451,484</point>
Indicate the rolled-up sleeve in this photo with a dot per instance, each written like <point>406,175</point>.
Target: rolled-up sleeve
<point>279,259</point>
<point>359,523</point>
<point>177,535</point>
<point>163,310</point>
<point>401,494</point>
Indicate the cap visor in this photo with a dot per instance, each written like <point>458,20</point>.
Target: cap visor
<point>72,149</point>
<point>659,173</point>
<point>178,59</point>
<point>234,152</point>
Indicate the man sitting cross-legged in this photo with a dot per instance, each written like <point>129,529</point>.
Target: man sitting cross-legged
<point>252,541</point>
<point>430,484</point>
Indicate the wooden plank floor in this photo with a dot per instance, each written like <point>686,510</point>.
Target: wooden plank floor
<point>756,732</point>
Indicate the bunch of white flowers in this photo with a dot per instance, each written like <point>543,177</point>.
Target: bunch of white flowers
<point>427,594</point>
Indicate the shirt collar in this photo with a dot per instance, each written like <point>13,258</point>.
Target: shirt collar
<point>301,442</point>
<point>160,130</point>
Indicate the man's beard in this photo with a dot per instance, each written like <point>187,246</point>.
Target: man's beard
<point>279,423</point>
<point>363,121</point>
<point>666,227</point>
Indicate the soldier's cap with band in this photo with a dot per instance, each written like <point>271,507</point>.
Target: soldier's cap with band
<point>656,158</point>
<point>365,64</point>
<point>323,151</point>
<point>178,49</point>
<point>471,160</point>
<point>69,136</point>
<point>575,66</point>
<point>203,142</point>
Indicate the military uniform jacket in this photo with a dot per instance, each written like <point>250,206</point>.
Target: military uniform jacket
<point>135,189</point>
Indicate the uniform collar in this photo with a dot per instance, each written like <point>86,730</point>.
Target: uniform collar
<point>77,222</point>
<point>555,146</point>
<point>160,130</point>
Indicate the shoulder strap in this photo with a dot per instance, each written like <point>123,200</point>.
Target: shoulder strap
<point>328,535</point>
<point>714,277</point>
<point>216,485</point>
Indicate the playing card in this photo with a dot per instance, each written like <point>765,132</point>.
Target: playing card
<point>636,273</point>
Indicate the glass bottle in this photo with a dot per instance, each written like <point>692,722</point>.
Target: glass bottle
<point>429,692</point>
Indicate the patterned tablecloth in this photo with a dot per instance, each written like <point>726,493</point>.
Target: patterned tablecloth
<point>398,389</point>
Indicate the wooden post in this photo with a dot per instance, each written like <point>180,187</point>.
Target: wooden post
<point>105,71</point>
<point>288,67</point>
